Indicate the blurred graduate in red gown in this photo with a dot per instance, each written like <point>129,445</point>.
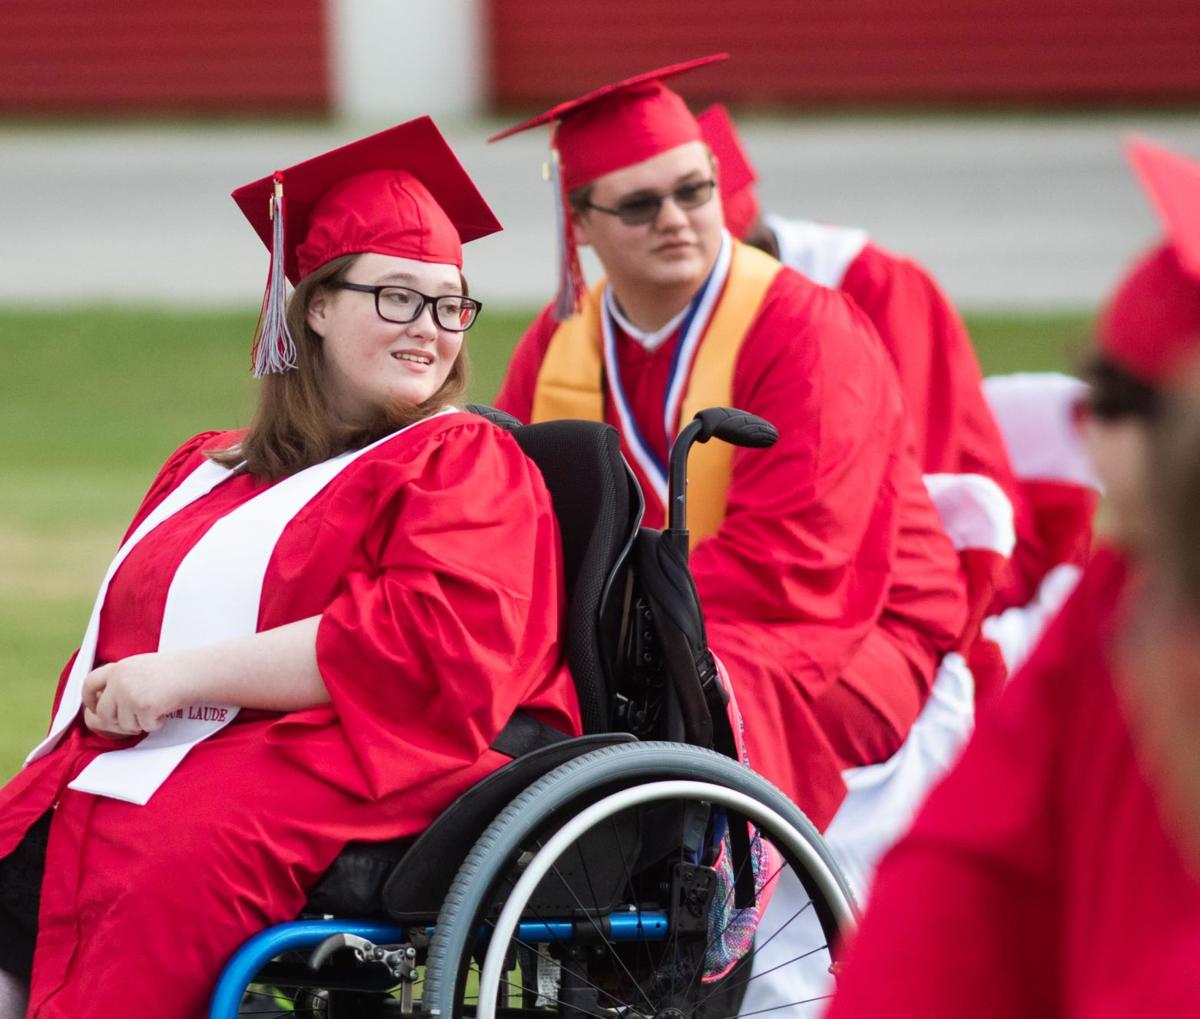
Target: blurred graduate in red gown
<point>1055,871</point>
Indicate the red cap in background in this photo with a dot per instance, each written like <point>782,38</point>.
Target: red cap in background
<point>1151,325</point>
<point>735,172</point>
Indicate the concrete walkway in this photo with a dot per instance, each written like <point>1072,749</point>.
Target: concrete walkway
<point>1035,212</point>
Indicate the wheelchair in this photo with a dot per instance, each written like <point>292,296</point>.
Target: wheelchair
<point>622,873</point>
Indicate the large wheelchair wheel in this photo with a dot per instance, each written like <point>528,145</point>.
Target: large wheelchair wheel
<point>617,885</point>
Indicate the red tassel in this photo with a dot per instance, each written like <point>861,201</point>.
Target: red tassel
<point>274,349</point>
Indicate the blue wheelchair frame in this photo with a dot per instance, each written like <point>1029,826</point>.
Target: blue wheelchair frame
<point>299,935</point>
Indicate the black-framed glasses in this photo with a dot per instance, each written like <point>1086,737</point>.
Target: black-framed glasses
<point>644,209</point>
<point>452,312</point>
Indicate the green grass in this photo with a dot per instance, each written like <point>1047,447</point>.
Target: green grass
<point>1028,342</point>
<point>92,401</point>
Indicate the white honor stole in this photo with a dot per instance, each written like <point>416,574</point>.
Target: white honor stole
<point>214,596</point>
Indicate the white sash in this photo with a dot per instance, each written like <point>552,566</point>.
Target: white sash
<point>821,252</point>
<point>214,596</point>
<point>703,304</point>
<point>198,483</point>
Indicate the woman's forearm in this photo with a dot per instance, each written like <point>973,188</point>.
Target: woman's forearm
<point>275,670</point>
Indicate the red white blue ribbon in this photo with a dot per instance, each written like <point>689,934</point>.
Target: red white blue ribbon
<point>651,465</point>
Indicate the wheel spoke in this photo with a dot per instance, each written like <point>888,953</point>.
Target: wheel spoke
<point>756,841</point>
<point>758,947</point>
<point>754,976</point>
<point>600,933</point>
<point>748,958</point>
<point>674,932</point>
<point>731,913</point>
<point>628,886</point>
<point>513,985</point>
<point>622,979</point>
<point>578,976</point>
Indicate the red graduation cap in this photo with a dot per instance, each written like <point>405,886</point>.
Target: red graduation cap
<point>734,170</point>
<point>400,192</point>
<point>1151,325</point>
<point>609,129</point>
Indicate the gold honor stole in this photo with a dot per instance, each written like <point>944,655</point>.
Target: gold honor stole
<point>569,382</point>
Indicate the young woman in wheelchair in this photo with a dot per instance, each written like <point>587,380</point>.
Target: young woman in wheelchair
<point>314,629</point>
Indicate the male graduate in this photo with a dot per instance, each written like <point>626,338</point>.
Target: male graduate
<point>830,590</point>
<point>939,374</point>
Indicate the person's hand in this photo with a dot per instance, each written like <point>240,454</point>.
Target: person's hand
<point>131,696</point>
<point>92,721</point>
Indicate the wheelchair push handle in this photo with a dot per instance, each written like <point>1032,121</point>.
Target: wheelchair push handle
<point>737,427</point>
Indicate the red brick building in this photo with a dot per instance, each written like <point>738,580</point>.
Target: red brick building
<point>217,56</point>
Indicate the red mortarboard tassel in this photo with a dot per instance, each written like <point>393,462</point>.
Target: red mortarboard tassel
<point>274,349</point>
<point>569,297</point>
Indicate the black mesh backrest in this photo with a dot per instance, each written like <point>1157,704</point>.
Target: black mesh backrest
<point>597,513</point>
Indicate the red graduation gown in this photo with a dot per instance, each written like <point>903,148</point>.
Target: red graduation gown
<point>428,642</point>
<point>942,387</point>
<point>1039,879</point>
<point>830,589</point>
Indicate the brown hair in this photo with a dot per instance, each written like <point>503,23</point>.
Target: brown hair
<point>1175,477</point>
<point>294,426</point>
<point>762,237</point>
<point>1115,393</point>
